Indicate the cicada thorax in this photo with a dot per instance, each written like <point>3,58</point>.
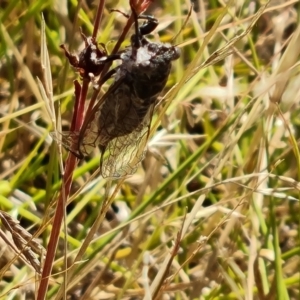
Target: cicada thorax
<point>147,67</point>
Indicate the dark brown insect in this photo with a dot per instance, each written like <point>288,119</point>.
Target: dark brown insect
<point>120,121</point>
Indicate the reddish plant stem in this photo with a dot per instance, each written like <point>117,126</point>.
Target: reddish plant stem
<point>98,18</point>
<point>77,105</point>
<point>80,93</point>
<point>58,217</point>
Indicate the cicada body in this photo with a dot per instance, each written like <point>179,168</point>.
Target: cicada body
<point>120,121</point>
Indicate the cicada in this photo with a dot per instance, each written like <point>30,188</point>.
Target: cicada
<point>119,122</point>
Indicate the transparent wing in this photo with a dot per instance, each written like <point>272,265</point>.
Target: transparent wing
<point>123,154</point>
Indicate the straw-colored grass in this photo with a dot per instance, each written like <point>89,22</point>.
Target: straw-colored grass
<point>212,211</point>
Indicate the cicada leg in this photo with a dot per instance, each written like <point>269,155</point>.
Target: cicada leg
<point>69,140</point>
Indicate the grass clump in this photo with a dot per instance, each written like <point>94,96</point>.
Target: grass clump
<point>211,213</point>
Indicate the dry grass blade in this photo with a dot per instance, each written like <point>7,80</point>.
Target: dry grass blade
<point>27,74</point>
<point>228,49</point>
<point>47,89</point>
<point>288,60</point>
<point>157,288</point>
<point>46,69</point>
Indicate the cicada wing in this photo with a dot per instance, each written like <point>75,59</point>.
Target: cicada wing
<point>123,154</point>
<point>93,115</point>
<point>90,135</point>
